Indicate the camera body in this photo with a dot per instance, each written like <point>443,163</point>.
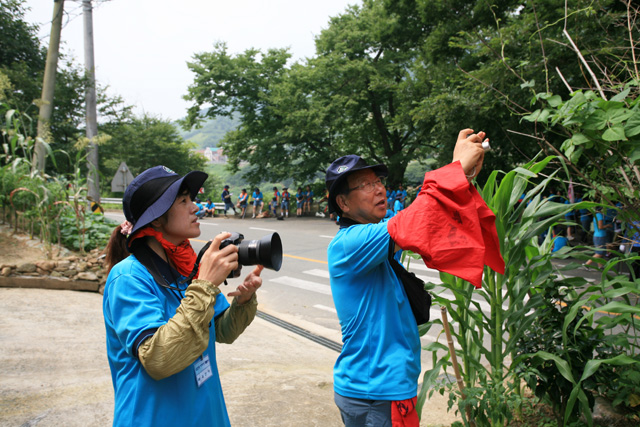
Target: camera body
<point>234,239</point>
<point>266,251</point>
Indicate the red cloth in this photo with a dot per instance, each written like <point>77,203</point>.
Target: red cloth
<point>404,414</point>
<point>183,255</point>
<point>450,226</point>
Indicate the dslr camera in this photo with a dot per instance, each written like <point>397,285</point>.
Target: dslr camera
<point>267,251</point>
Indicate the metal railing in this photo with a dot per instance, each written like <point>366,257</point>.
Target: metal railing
<point>118,201</point>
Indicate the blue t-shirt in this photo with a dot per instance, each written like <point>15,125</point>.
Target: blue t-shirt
<point>391,196</point>
<point>200,208</point>
<point>397,206</point>
<point>597,231</point>
<point>134,303</point>
<point>257,197</point>
<point>380,356</point>
<point>559,243</point>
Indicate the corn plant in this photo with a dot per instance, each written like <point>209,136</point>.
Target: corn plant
<point>38,201</point>
<point>492,388</point>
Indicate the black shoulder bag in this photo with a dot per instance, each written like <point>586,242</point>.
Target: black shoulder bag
<point>419,298</point>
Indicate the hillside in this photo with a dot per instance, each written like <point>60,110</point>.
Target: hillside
<point>211,132</point>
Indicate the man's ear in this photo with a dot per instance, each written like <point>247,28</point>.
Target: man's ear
<point>155,223</point>
<point>343,202</point>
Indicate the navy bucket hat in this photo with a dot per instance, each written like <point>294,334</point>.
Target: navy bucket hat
<point>151,194</point>
<point>341,168</point>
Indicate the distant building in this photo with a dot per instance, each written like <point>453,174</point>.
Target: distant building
<point>213,155</point>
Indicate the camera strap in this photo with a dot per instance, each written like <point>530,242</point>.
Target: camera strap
<point>146,256</point>
<point>196,266</point>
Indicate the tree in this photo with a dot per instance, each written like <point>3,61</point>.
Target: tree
<point>493,59</point>
<point>21,57</point>
<point>142,143</point>
<point>356,96</point>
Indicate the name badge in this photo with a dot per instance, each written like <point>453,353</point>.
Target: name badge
<point>203,370</point>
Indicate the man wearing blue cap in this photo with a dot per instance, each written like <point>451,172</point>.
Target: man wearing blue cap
<point>376,374</point>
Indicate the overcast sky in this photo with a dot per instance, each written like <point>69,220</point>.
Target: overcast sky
<point>142,46</point>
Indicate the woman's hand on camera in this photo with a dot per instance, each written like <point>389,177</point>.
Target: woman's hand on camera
<point>246,289</point>
<point>469,151</point>
<point>216,263</point>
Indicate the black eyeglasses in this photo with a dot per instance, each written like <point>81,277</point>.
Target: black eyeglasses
<point>368,187</point>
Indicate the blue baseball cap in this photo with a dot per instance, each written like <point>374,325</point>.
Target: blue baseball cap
<point>151,194</point>
<point>341,168</point>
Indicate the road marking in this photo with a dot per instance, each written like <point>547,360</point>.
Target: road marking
<point>303,284</point>
<point>306,259</point>
<point>327,237</point>
<point>325,308</point>
<point>208,223</point>
<point>317,272</point>
<point>262,229</point>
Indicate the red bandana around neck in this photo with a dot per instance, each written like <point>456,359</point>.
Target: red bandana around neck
<point>182,255</point>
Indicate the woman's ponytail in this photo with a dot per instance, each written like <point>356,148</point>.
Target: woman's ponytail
<point>116,248</point>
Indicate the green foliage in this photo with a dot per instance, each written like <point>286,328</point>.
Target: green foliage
<point>602,140</point>
<point>542,326</point>
<point>143,143</point>
<point>21,57</point>
<point>93,233</point>
<point>522,304</point>
<point>546,376</point>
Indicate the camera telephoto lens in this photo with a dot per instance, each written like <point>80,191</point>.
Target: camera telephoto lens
<point>266,251</point>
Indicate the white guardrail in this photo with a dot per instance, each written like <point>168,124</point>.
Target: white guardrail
<point>118,201</point>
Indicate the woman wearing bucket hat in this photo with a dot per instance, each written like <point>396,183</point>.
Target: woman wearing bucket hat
<point>162,327</point>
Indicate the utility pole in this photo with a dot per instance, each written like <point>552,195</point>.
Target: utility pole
<point>93,182</point>
<point>48,86</point>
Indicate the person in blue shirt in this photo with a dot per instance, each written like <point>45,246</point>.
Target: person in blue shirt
<point>201,212</point>
<point>258,201</point>
<point>299,201</point>
<point>391,197</point>
<point>376,373</point>
<point>209,208</point>
<point>308,199</point>
<point>403,195</point>
<point>163,310</point>
<point>599,236</point>
<point>397,204</point>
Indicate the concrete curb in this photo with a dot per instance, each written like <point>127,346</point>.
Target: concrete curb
<point>45,282</point>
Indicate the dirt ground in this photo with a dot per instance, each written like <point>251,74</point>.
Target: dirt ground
<point>54,369</point>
